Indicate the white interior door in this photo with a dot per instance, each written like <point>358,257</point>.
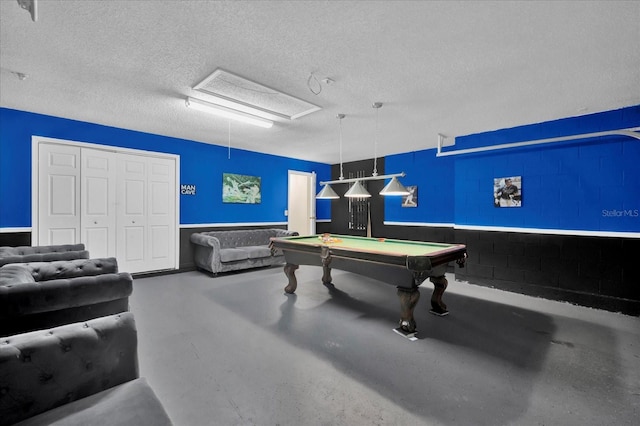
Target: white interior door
<point>98,202</point>
<point>301,203</point>
<point>58,219</point>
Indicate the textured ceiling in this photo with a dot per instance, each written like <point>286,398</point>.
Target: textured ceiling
<point>448,67</point>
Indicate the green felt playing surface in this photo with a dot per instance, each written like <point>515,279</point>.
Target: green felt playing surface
<point>390,246</point>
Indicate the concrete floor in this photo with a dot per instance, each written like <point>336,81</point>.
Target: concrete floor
<point>236,350</point>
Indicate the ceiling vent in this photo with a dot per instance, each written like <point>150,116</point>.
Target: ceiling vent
<point>233,91</point>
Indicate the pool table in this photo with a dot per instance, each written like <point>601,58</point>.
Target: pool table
<point>404,264</point>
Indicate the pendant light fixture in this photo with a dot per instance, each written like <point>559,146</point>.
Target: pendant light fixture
<point>394,187</point>
<point>357,190</point>
<point>327,193</point>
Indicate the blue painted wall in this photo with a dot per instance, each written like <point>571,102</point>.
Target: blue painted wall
<point>587,185</point>
<point>434,179</point>
<point>201,165</point>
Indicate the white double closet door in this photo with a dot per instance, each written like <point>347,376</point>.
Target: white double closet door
<point>118,204</point>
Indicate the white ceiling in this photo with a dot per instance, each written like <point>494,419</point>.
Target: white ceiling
<point>447,67</point>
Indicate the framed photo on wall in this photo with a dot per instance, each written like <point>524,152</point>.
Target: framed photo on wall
<point>240,189</point>
<point>507,191</point>
<point>410,200</point>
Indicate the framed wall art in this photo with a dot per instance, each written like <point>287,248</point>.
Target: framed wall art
<point>507,191</point>
<point>240,189</point>
<point>410,200</point>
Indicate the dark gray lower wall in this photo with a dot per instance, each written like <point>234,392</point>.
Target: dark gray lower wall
<point>589,271</point>
<point>15,239</point>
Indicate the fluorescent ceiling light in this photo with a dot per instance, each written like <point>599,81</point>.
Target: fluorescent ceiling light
<point>229,113</point>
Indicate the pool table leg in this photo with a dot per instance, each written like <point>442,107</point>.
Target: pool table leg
<point>289,271</point>
<point>408,301</point>
<point>437,305</point>
<point>325,255</point>
<point>326,275</point>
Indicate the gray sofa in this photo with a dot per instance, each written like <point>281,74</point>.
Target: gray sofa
<point>23,254</point>
<point>77,374</point>
<point>223,251</point>
<point>47,294</point>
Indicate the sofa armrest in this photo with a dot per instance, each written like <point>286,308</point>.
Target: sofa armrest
<point>207,252</point>
<point>15,273</point>
<point>45,296</point>
<point>45,369</point>
<point>131,403</point>
<point>202,239</point>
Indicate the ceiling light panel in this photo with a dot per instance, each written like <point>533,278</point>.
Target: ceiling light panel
<point>237,92</point>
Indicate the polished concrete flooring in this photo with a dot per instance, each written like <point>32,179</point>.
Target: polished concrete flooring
<point>236,350</point>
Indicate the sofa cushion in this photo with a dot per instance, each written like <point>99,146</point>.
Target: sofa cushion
<point>233,255</point>
<point>256,252</point>
<point>131,403</point>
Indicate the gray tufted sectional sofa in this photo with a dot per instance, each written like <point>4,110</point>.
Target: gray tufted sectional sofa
<point>223,251</point>
<point>77,374</point>
<point>46,294</point>
<point>23,254</point>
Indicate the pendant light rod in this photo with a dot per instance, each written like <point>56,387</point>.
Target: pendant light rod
<point>377,106</point>
<point>363,178</point>
<point>340,117</point>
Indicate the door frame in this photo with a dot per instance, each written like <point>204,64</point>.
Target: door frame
<point>311,194</point>
<point>35,187</point>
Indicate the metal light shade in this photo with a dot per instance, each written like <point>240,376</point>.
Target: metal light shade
<point>327,193</point>
<point>394,187</point>
<point>357,191</point>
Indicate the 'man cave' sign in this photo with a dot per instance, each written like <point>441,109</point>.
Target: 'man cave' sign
<point>188,189</point>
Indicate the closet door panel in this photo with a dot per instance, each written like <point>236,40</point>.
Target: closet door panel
<point>58,194</point>
<point>162,227</point>
<point>131,189</point>
<point>98,224</point>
